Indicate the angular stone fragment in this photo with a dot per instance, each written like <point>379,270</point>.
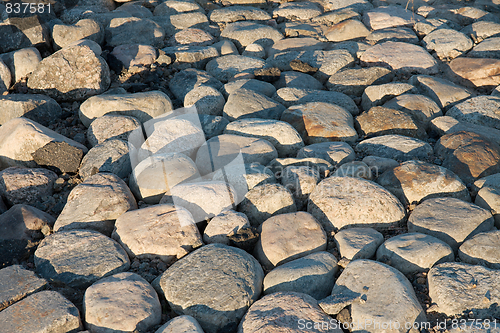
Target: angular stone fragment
<point>143,106</point>
<point>458,287</point>
<point>223,280</point>
<point>111,127</point>
<point>358,243</point>
<point>443,92</point>
<point>96,204</point>
<point>45,311</point>
<point>414,181</point>
<point>17,283</point>
<point>73,73</point>
<point>221,227</point>
<point>65,153</point>
<point>450,219</point>
<point>105,301</point>
<point>397,147</point>
<point>339,202</point>
<point>346,30</point>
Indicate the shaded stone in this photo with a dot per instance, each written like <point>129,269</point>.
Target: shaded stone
<point>192,37</point>
<point>95,204</point>
<point>191,56</point>
<point>224,280</point>
<point>298,80</point>
<point>481,249</point>
<point>111,127</point>
<point>450,220</point>
<point>124,30</point>
<point>394,146</point>
<point>26,185</point>
<point>21,62</point>
<point>420,107</point>
<point>415,181</point>
<point>481,30</point>
<point>130,55</point>
<point>480,110</point>
<point>379,94</point>
<point>245,103</point>
<point>267,75</point>
<point>489,198</point>
<point>105,301</point>
<point>339,202</point>
<point>39,108</point>
<point>110,156</point>
<point>443,92</point>
<point>238,13</point>
<point>278,165</point>
<point>260,86</point>
<point>207,100</point>
<point>488,48</point>
<point>354,169</point>
<point>358,243</point>
<point>379,165</point>
<point>445,125</point>
<point>186,324</point>
<point>301,181</point>
<point>226,67</point>
<point>394,34</point>
<point>190,78</point>
<point>447,43</point>
<point>336,153</point>
<point>16,283</point>
<point>45,311</point>
<point>59,156</point>
<point>354,81</point>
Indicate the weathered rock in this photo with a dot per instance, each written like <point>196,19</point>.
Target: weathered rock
<point>282,135</point>
<point>489,198</point>
<point>244,103</point>
<point>73,73</point>
<point>450,219</point>
<point>354,169</point>
<point>21,62</point>
<point>481,30</point>
<point>207,100</point>
<point>39,108</point>
<point>447,43</point>
<point>190,78</point>
<point>105,301</point>
<point>337,16</point>
<point>388,296</point>
<point>379,165</point>
<point>397,147</point>
<point>173,23</point>
<point>223,280</point>
<point>110,156</point>
<point>298,80</point>
<point>17,283</point>
<point>420,107</point>
<point>389,16</point>
<point>358,243</point>
<point>238,13</point>
<point>475,72</point>
<point>481,249</point>
<point>278,165</point>
<point>226,67</point>
<point>379,94</point>
<point>245,33</point>
<point>382,121</point>
<point>133,55</point>
<point>45,311</point>
<point>480,110</point>
<point>443,92</point>
<point>339,202</point>
<point>312,275</point>
<point>258,86</point>
<point>191,56</point>
<point>414,252</point>
<point>458,287</point>
<point>321,122</point>
<point>78,258</point>
<point>96,204</point>
<point>336,153</point>
<point>393,34</point>
<point>19,32</point>
<point>400,57</point>
<point>357,5</point>
<point>212,125</point>
<point>25,185</point>
<point>65,154</point>
<point>134,30</point>
<point>64,35</point>
<point>301,181</point>
<point>297,10</point>
<point>186,324</point>
<point>224,225</point>
<point>111,127</point>
<point>488,48</point>
<point>265,201</point>
<point>354,81</point>
<point>415,181</point>
<point>295,44</point>
<point>143,106</point>
<point>221,150</point>
<point>346,30</point>
<point>469,155</point>
<point>192,37</point>
<point>175,7</point>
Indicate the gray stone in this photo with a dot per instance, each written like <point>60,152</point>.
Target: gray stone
<point>354,81</point>
<point>379,94</point>
<point>445,125</point>
<point>39,108</point>
<point>125,30</point>
<point>488,48</point>
<point>258,86</point>
<point>337,153</point>
<point>134,55</point>
<point>21,62</point>
<point>443,92</point>
<point>387,296</point>
<point>389,16</point>
<point>312,275</point>
<point>424,27</point>
<point>415,181</point>
<point>212,125</point>
<point>337,16</point>
<point>282,135</point>
<point>226,67</point>
<point>192,37</point>
<point>278,165</point>
<point>245,33</point>
<point>420,107</point>
<point>458,287</point>
<point>321,122</point>
<point>45,311</point>
<point>143,106</point>
<point>489,198</point>
<point>20,32</point>
<point>397,147</point>
<point>287,237</point>
<point>96,204</point>
<point>294,96</point>
<point>223,226</point>
<point>191,56</point>
<point>204,199</point>
<point>111,127</point>
<point>15,152</point>
<point>481,30</point>
<point>480,110</point>
<point>245,103</point>
<point>167,232</point>
<point>301,181</point>
<point>450,219</point>
<point>105,301</point>
<point>64,35</point>
<point>73,73</point>
<point>447,43</point>
<point>334,304</point>
<point>224,280</point>
<point>379,165</point>
<point>188,79</point>
<point>265,201</point>
<point>173,23</point>
<point>110,156</point>
<point>295,44</point>
<point>358,243</point>
<point>184,324</point>
<point>339,202</point>
<point>206,99</point>
<point>17,283</point>
<point>172,7</point>
<point>394,34</point>
<point>298,80</point>
<point>226,47</point>
<point>354,169</point>
<point>78,258</point>
<point>26,185</point>
<point>482,249</point>
<point>414,252</point>
<point>297,10</point>
<point>238,13</point>
<point>219,151</point>
<point>400,57</point>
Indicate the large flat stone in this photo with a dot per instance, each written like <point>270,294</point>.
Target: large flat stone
<point>17,283</point>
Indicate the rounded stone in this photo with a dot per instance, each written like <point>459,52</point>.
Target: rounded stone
<point>337,153</point>
<point>225,67</point>
<point>482,249</point>
<point>224,225</point>
<point>354,169</point>
<point>26,185</point>
<point>111,127</point>
<point>301,181</point>
<point>206,99</point>
<point>110,156</point>
<point>397,147</point>
<point>358,243</point>
<point>215,284</point>
<point>339,202</point>
<point>78,258</point>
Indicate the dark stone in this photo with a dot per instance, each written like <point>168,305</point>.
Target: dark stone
<point>267,74</point>
<point>303,67</point>
<point>245,238</point>
<point>59,157</point>
<point>17,283</point>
